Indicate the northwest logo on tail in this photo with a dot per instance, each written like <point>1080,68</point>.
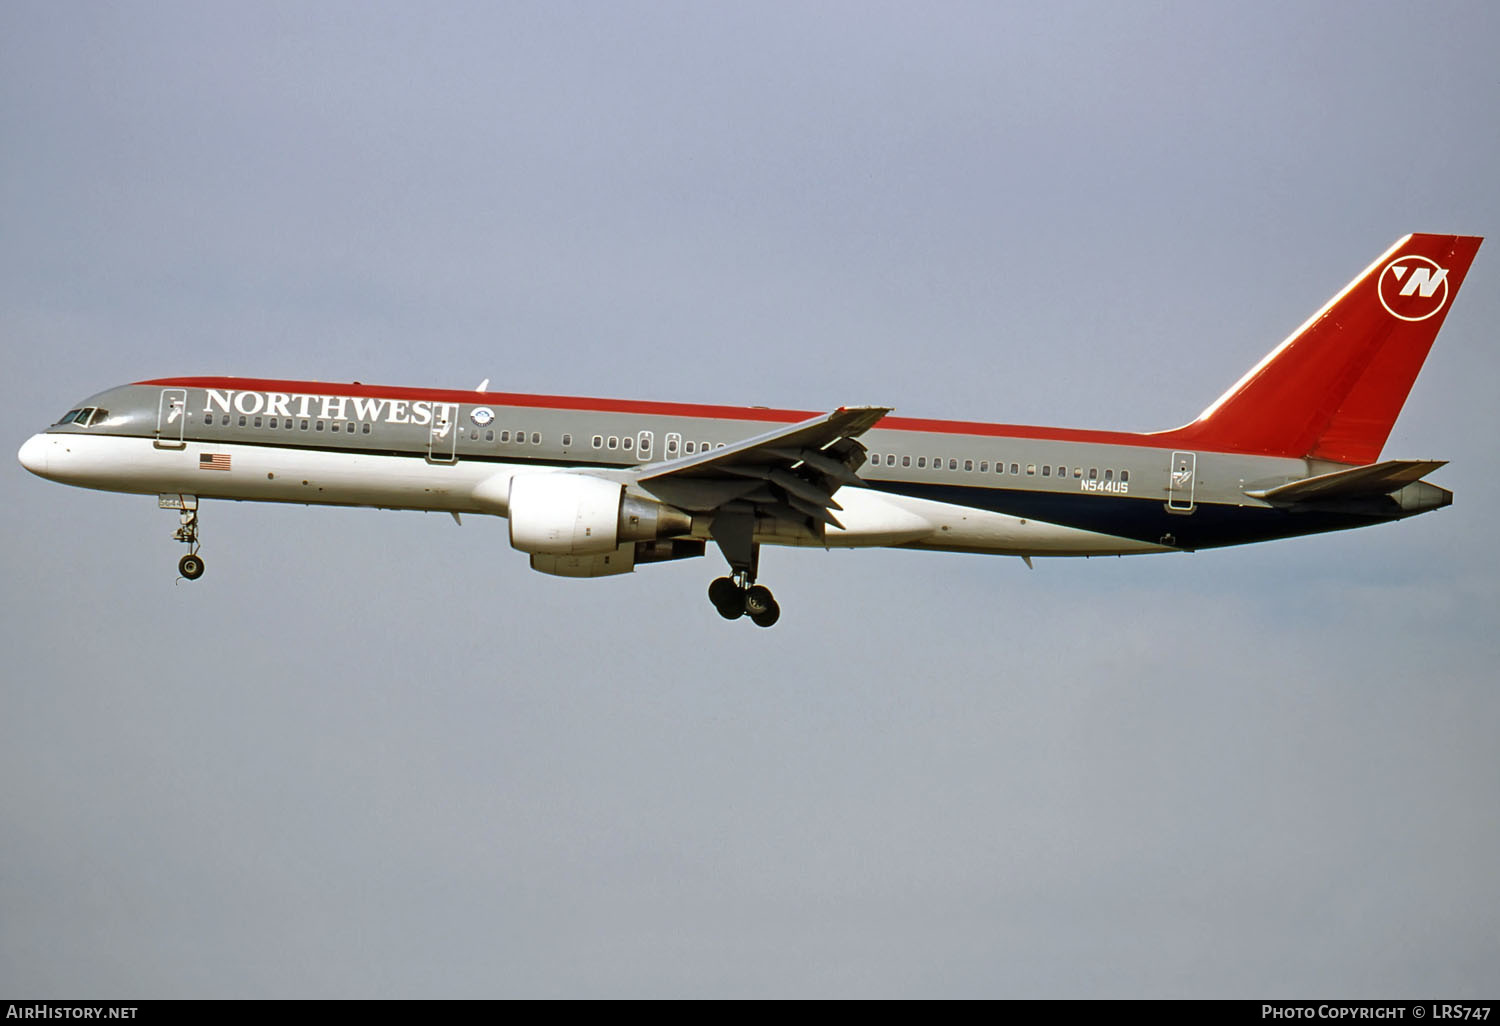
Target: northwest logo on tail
<point>1413,288</point>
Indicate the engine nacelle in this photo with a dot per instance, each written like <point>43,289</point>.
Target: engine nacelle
<point>567,514</point>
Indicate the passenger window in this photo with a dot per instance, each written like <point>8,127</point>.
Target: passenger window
<point>1124,475</point>
<point>627,442</point>
<point>1093,473</point>
<point>906,461</point>
<point>922,461</point>
<point>1030,469</point>
<point>208,418</point>
<point>1015,468</point>
<point>567,440</point>
<point>968,464</point>
<point>257,422</point>
<point>320,425</point>
<point>1109,475</point>
<point>242,422</point>
<point>1047,470</point>
<point>598,441</point>
<point>688,447</point>
<point>349,427</point>
<point>984,466</point>
<point>473,434</point>
<point>875,459</point>
<point>304,425</point>
<point>273,423</point>
<point>489,434</point>
<point>366,429</point>
<point>536,438</point>
<point>1077,471</point>
<point>614,441</point>
<point>953,464</point>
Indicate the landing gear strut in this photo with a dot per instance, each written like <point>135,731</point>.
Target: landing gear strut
<point>191,565</point>
<point>738,595</point>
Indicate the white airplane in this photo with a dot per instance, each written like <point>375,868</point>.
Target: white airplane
<point>594,487</point>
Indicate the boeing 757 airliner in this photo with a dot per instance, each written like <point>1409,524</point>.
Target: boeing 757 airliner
<point>594,487</point>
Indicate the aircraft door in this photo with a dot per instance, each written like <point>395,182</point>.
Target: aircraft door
<point>442,441</point>
<point>1180,483</point>
<point>171,418</point>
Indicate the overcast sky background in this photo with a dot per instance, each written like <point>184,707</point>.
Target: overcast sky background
<point>372,755</point>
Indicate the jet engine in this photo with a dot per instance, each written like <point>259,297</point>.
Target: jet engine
<point>575,514</point>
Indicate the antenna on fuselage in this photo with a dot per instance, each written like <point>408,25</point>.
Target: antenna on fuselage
<point>483,385</point>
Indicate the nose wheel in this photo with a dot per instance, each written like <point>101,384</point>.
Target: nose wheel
<point>735,597</point>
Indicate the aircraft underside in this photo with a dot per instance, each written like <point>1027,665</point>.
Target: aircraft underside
<point>999,521</point>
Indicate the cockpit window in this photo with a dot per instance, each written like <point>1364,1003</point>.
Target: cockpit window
<point>84,417</point>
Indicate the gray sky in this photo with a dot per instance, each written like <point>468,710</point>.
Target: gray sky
<point>371,754</point>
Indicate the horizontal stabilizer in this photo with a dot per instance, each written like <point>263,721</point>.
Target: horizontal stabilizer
<point>1355,483</point>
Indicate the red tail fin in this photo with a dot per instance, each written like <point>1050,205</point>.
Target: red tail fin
<point>1333,389</point>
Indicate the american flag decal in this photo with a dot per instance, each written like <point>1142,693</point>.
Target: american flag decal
<point>213,461</point>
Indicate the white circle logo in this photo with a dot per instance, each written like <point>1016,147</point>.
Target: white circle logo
<point>481,415</point>
<point>1413,288</point>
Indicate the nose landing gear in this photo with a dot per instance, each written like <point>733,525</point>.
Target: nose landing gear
<point>191,565</point>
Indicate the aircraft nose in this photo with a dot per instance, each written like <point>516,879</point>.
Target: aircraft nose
<point>33,454</point>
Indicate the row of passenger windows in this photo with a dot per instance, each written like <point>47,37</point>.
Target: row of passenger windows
<point>283,423</point>
<point>983,466</point>
<point>290,423</point>
<point>627,443</point>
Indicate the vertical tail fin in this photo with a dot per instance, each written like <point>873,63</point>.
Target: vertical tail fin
<point>1332,390</point>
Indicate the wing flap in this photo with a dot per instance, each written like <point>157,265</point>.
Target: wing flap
<point>790,472</point>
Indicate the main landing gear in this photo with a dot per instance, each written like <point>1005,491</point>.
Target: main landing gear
<point>738,595</point>
<point>735,597</point>
<point>191,565</point>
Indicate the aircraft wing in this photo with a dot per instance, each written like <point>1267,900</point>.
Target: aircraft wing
<point>791,472</point>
